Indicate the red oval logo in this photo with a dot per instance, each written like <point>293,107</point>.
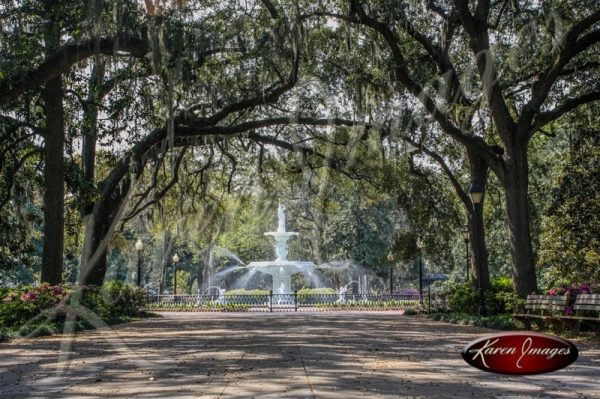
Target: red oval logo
<point>520,353</point>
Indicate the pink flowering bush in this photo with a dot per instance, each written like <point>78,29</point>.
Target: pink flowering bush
<point>572,291</point>
<point>25,310</point>
<point>23,303</point>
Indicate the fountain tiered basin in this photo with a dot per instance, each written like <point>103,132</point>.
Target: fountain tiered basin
<point>282,272</point>
<point>282,269</point>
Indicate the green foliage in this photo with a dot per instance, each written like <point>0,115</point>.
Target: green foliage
<point>242,291</point>
<point>340,220</point>
<point>183,278</point>
<point>570,247</point>
<point>41,310</point>
<point>120,300</point>
<point>316,291</point>
<point>462,297</point>
<point>19,305</point>
<point>499,299</point>
<point>497,322</point>
<point>362,232</point>
<point>316,295</point>
<point>244,235</point>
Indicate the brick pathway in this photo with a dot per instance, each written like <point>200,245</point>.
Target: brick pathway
<point>310,355</point>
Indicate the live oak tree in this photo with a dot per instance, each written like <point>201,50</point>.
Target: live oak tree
<point>163,48</point>
<point>59,36</point>
<point>491,39</point>
<point>198,122</point>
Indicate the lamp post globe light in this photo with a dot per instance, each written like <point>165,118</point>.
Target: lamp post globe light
<point>465,233</point>
<point>175,260</point>
<point>139,246</point>
<point>476,194</point>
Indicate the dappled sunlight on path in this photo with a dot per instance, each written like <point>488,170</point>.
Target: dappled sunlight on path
<point>320,355</point>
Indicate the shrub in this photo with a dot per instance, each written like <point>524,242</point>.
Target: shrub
<point>316,291</point>
<point>499,299</point>
<point>122,299</point>
<point>499,322</point>
<point>316,296</point>
<point>462,297</point>
<point>242,291</point>
<point>24,303</point>
<point>41,310</point>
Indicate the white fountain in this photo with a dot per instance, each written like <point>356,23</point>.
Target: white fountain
<point>282,269</point>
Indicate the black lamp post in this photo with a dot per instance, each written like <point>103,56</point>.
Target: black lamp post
<point>175,260</point>
<point>420,248</point>
<point>391,259</point>
<point>466,237</point>
<point>476,194</point>
<point>139,246</point>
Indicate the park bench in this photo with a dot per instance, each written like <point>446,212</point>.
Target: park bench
<point>586,310</point>
<point>542,309</point>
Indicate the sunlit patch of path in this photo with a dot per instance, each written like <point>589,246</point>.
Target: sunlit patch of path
<point>278,355</point>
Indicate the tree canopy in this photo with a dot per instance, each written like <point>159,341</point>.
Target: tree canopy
<point>186,122</point>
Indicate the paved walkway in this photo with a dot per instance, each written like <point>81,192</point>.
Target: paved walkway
<point>321,355</point>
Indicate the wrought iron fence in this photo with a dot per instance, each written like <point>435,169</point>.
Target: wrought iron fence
<point>283,302</point>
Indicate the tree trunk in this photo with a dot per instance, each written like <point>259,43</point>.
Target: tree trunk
<point>97,274</point>
<point>207,271</point>
<point>100,225</point>
<point>94,271</point>
<point>101,220</point>
<point>54,168</point>
<point>54,183</point>
<point>89,133</point>
<point>167,244</point>
<point>199,281</point>
<point>515,187</point>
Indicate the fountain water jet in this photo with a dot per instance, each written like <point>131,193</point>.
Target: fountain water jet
<point>282,269</point>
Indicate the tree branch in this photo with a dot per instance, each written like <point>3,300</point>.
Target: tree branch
<point>403,76</point>
<point>160,194</point>
<point>462,195</point>
<point>477,30</point>
<point>571,46</point>
<point>13,86</point>
<point>544,118</point>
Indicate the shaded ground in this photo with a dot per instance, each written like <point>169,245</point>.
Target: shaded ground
<point>278,355</point>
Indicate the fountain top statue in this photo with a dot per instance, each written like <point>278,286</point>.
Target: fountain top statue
<point>281,216</point>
